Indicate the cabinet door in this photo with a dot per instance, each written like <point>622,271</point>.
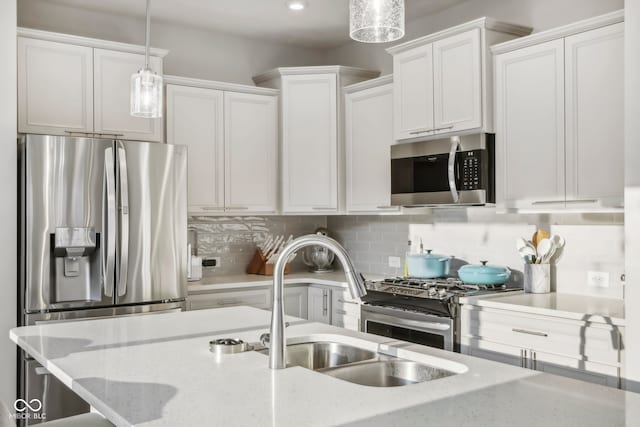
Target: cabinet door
<point>457,82</point>
<point>296,301</point>
<point>369,135</point>
<point>493,351</point>
<point>413,93</point>
<point>320,305</point>
<point>594,122</point>
<point>530,127</point>
<point>55,87</point>
<point>309,143</point>
<point>195,119</point>
<point>112,96</point>
<point>575,368</point>
<point>345,311</point>
<point>251,150</point>
<point>258,298</point>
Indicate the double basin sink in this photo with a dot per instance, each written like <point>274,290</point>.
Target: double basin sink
<point>360,366</point>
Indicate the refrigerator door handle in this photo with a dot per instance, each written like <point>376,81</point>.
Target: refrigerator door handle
<point>108,223</point>
<point>124,221</point>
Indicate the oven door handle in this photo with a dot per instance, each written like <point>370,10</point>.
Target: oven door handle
<point>434,326</point>
<point>455,146</point>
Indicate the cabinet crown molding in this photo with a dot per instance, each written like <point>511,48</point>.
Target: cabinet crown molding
<point>87,41</point>
<point>324,69</point>
<point>216,85</point>
<point>560,32</point>
<point>484,22</point>
<point>368,84</point>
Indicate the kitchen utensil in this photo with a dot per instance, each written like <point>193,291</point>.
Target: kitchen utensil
<point>558,244</point>
<point>484,274</point>
<point>275,246</point>
<point>544,248</point>
<point>538,236</point>
<point>428,266</point>
<point>266,244</point>
<point>528,253</point>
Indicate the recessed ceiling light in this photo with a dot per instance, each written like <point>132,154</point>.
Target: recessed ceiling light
<point>296,4</point>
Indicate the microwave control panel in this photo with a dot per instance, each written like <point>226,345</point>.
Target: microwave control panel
<point>471,174</point>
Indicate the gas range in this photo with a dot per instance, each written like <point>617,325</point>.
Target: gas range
<point>422,311</point>
<point>443,289</point>
<point>434,296</point>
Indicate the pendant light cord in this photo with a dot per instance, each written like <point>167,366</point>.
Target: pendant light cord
<point>148,36</point>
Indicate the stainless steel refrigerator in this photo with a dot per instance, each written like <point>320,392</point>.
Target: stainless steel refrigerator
<point>103,233</point>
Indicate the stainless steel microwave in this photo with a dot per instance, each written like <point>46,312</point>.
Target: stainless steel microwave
<point>456,171</point>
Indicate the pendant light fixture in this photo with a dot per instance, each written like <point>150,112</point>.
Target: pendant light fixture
<point>146,85</point>
<point>376,21</point>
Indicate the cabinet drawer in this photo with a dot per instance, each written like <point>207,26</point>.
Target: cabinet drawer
<point>576,339</point>
<point>259,298</point>
<point>342,301</point>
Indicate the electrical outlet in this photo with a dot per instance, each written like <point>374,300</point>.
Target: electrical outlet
<point>211,262</point>
<point>598,279</point>
<point>394,261</point>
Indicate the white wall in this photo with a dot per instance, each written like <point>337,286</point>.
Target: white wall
<point>8,213</point>
<point>194,52</point>
<point>632,193</point>
<point>538,14</point>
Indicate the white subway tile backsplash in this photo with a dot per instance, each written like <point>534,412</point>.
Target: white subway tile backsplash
<point>594,242</point>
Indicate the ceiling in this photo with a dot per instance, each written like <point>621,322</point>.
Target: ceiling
<point>323,24</point>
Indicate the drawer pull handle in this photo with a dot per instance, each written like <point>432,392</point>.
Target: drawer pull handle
<point>229,303</point>
<point>340,300</point>
<point>524,331</point>
<point>342,312</point>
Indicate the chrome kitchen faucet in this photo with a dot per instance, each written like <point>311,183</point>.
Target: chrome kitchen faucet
<point>278,342</point>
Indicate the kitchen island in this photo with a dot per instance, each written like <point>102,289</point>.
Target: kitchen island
<point>157,370</point>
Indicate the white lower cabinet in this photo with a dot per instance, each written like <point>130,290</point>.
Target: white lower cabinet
<point>296,301</point>
<point>345,310</point>
<point>576,349</point>
<point>319,305</point>
<point>258,298</point>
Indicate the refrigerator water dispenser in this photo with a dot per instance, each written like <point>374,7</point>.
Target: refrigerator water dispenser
<point>76,264</point>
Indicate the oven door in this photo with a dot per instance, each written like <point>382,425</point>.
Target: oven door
<point>418,328</point>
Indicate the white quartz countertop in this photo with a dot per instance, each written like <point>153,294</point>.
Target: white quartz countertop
<point>569,306</point>
<point>156,370</point>
<point>236,281</point>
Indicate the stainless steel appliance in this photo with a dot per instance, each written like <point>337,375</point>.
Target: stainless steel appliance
<point>421,311</point>
<point>457,171</point>
<point>103,233</point>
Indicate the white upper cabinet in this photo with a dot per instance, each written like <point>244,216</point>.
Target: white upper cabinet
<point>457,82</point>
<point>413,93</point>
<point>113,71</point>
<point>443,81</point>
<point>76,84</point>
<point>195,118</point>
<point>530,126</point>
<point>559,117</point>
<point>312,159</point>
<point>55,87</point>
<point>251,150</point>
<point>368,137</point>
<point>594,117</point>
<point>309,143</point>
<point>232,138</point>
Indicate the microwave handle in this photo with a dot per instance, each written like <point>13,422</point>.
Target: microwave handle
<point>455,146</point>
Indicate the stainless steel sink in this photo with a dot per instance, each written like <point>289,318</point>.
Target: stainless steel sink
<point>360,366</point>
<point>388,373</point>
<point>323,355</point>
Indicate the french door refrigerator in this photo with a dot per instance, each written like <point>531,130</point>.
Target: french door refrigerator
<point>103,233</point>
